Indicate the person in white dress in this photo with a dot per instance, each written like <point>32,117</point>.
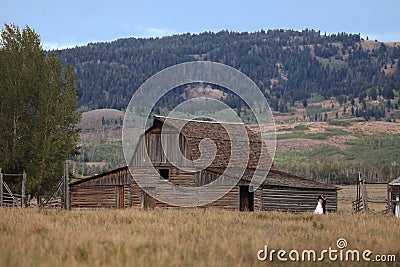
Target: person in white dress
<point>319,209</point>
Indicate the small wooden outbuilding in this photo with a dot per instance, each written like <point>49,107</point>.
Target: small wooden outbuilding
<point>280,191</point>
<point>107,190</point>
<point>394,197</point>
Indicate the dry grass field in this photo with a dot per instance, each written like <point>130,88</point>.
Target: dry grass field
<point>186,237</point>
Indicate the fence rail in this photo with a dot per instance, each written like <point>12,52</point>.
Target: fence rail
<point>358,205</point>
<point>55,199</point>
<point>12,200</point>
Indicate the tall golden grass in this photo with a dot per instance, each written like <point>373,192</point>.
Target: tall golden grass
<point>186,237</point>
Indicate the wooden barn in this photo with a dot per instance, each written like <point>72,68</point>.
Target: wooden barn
<point>279,191</point>
<point>394,197</point>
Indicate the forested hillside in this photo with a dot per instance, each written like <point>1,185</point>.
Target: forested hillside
<point>287,65</point>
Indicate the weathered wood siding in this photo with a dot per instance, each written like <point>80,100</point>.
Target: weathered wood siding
<point>181,178</point>
<point>230,201</point>
<point>136,195</point>
<point>164,189</point>
<point>127,196</point>
<point>258,199</point>
<point>205,177</point>
<point>295,199</point>
<point>95,196</point>
<point>103,191</point>
<point>151,145</point>
<point>221,184</point>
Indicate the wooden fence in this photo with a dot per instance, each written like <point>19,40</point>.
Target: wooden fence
<point>59,198</point>
<point>54,200</point>
<point>361,203</point>
<point>10,199</point>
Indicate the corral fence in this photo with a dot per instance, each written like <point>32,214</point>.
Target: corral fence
<point>369,197</point>
<point>10,199</point>
<point>59,198</point>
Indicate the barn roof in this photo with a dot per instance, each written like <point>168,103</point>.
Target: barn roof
<point>395,182</point>
<point>98,176</point>
<point>281,178</point>
<point>195,131</point>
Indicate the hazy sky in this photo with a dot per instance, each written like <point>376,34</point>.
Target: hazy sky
<point>64,23</point>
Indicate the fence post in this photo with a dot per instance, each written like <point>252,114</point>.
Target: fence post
<point>358,185</point>
<point>63,198</point>
<point>364,196</point>
<point>389,198</point>
<point>1,188</point>
<point>66,187</point>
<point>23,191</point>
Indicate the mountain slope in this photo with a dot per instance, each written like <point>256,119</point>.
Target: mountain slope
<point>287,65</point>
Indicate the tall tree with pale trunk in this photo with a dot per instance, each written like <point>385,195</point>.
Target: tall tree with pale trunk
<point>38,110</point>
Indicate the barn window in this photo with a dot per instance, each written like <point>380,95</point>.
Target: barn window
<point>164,173</point>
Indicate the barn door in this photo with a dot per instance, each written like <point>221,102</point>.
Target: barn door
<point>120,197</point>
<point>148,202</point>
<point>246,199</point>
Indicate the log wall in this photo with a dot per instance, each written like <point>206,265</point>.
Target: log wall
<point>258,199</point>
<point>230,201</point>
<point>295,199</point>
<point>95,196</point>
<point>102,191</point>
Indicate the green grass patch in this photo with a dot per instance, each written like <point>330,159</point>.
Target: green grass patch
<point>316,98</point>
<point>285,129</point>
<point>343,123</point>
<point>290,135</point>
<point>323,154</point>
<point>376,157</point>
<point>300,127</point>
<point>329,132</point>
<point>102,152</point>
<point>336,131</point>
<point>374,149</point>
<point>367,149</point>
